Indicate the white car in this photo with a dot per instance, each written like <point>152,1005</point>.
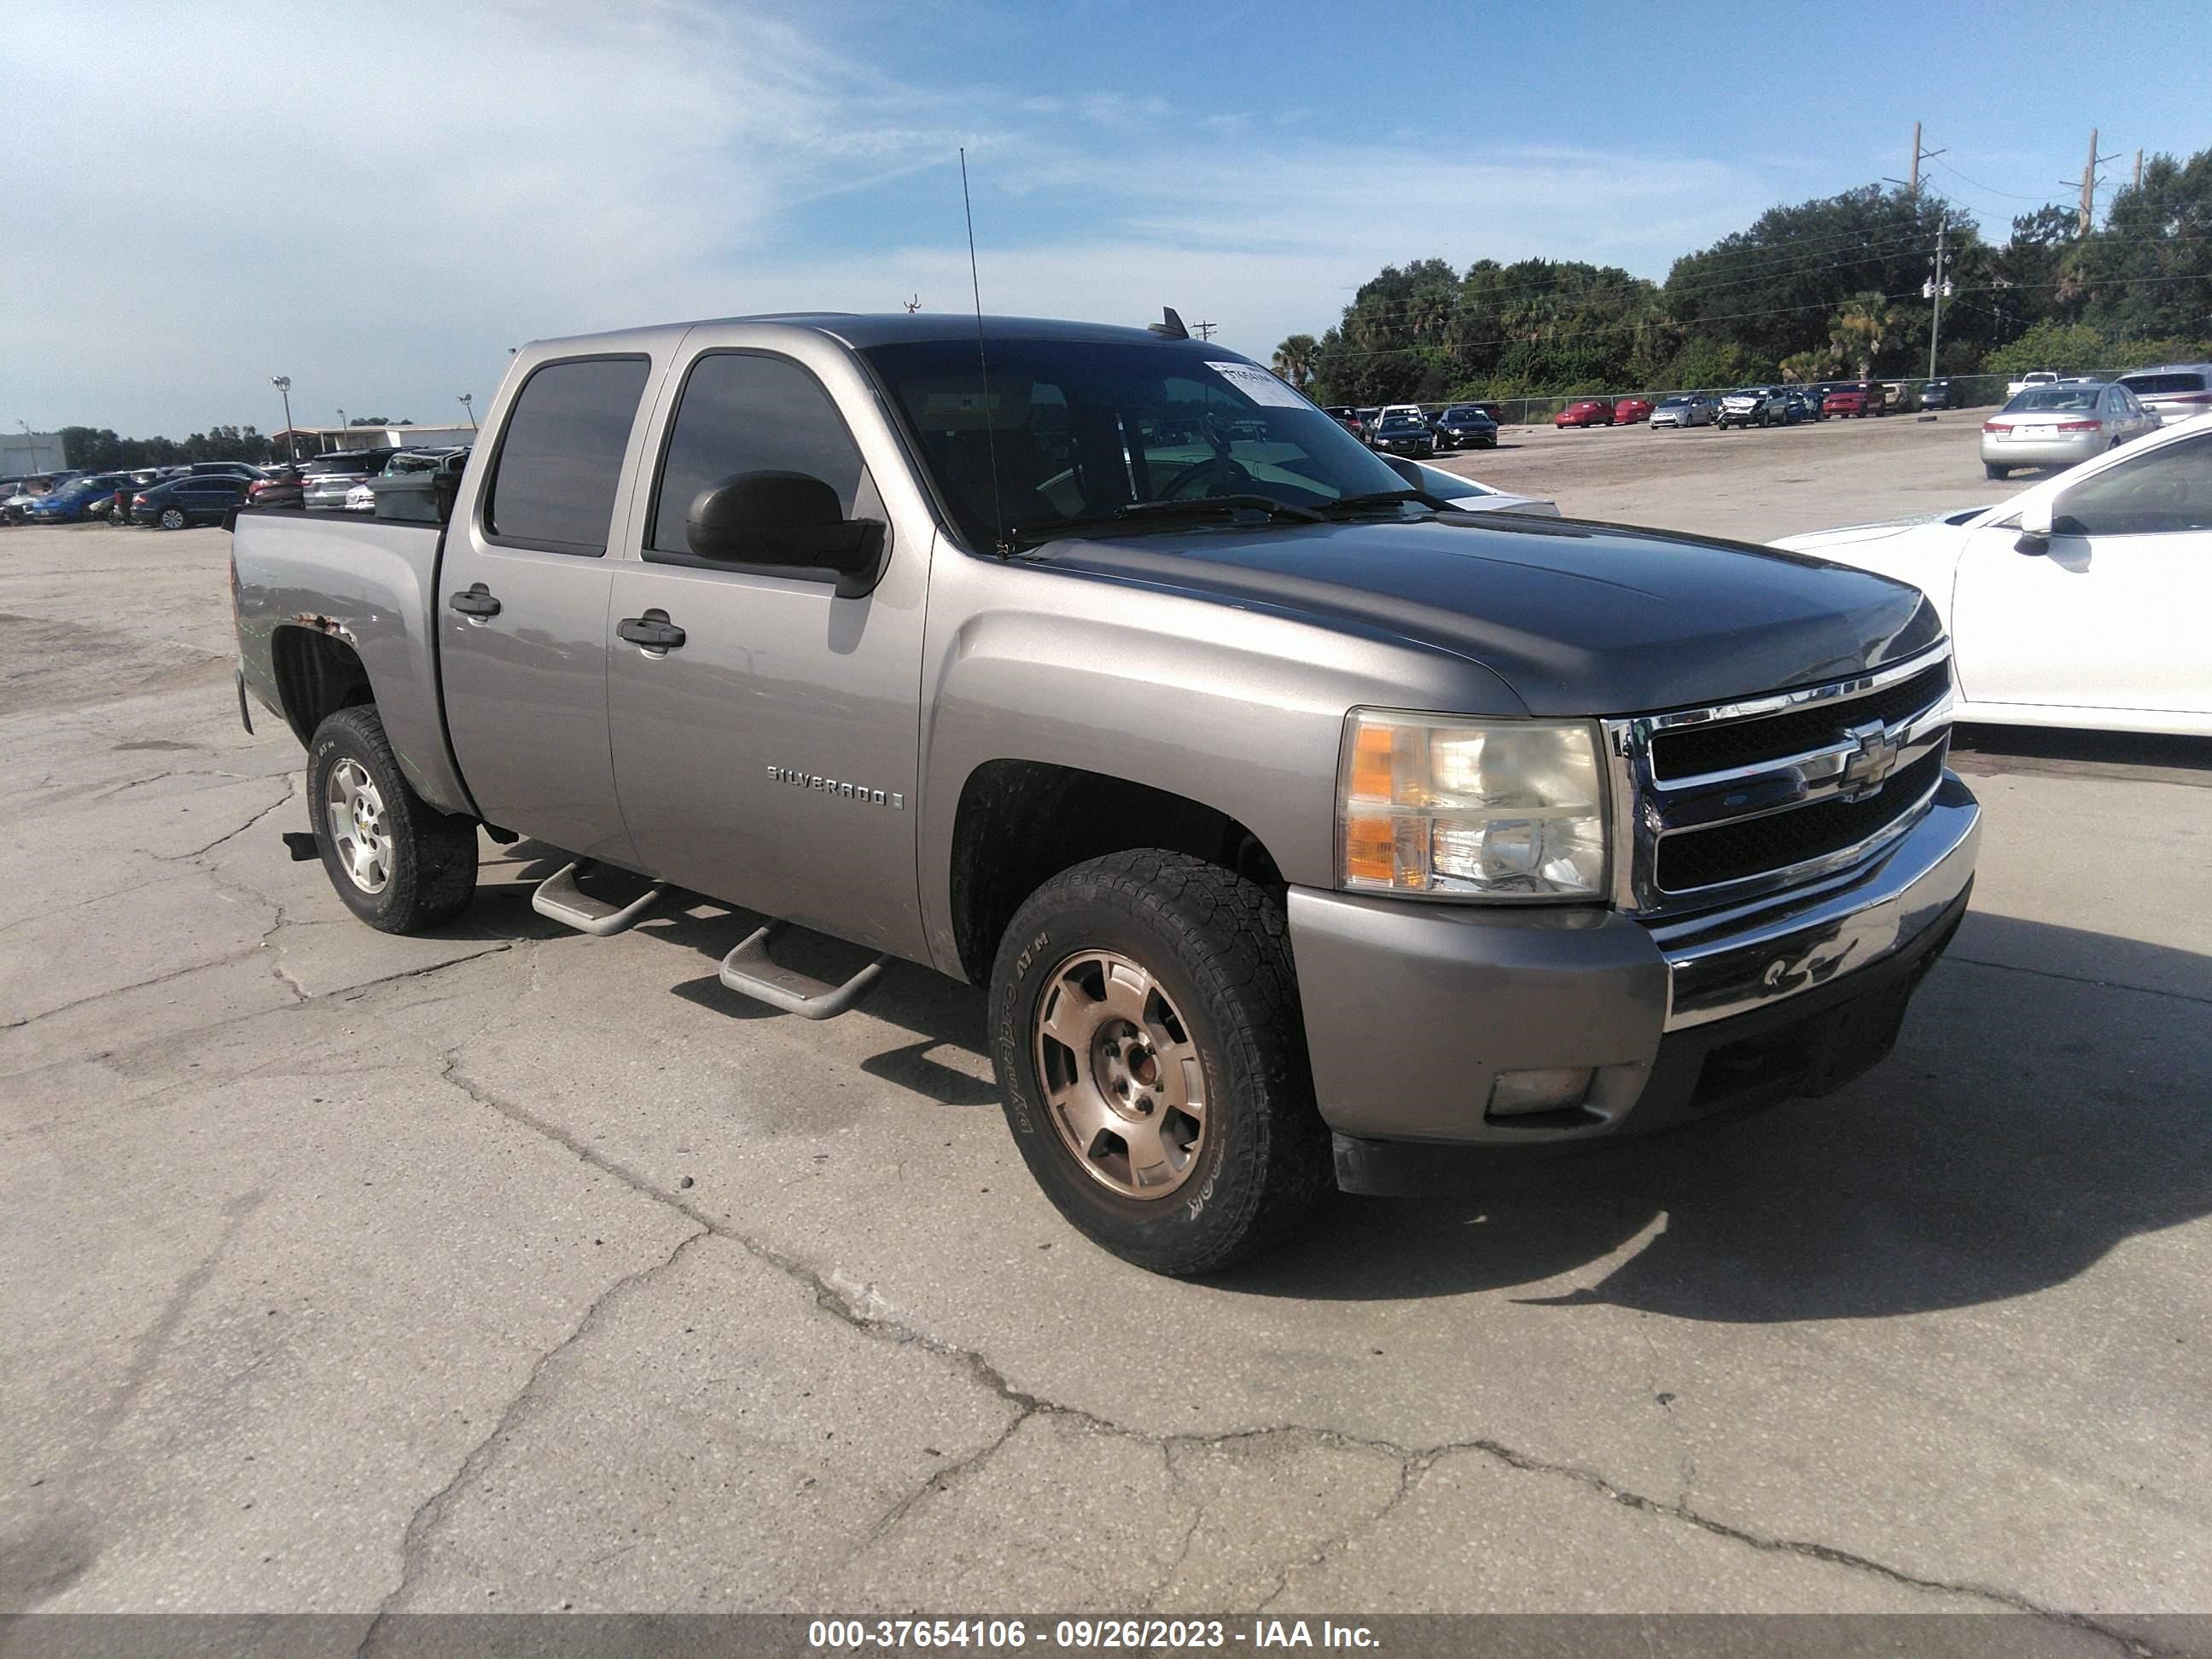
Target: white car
<point>2081,602</point>
<point>1472,497</point>
<point>2033,377</point>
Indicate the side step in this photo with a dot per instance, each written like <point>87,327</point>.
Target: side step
<point>750,971</point>
<point>558,898</point>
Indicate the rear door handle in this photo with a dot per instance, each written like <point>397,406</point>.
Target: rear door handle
<point>476,601</point>
<point>653,630</point>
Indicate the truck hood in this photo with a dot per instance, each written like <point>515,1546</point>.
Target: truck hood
<point>1577,619</point>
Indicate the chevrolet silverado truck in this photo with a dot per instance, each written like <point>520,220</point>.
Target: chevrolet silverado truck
<point>1303,829</point>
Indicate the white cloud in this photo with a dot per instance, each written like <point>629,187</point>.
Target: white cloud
<point>380,212</point>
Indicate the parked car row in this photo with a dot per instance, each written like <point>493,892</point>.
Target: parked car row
<point>75,496</point>
<point>1464,425</point>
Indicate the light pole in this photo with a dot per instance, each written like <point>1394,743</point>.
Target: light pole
<point>283,384</point>
<point>468,403</point>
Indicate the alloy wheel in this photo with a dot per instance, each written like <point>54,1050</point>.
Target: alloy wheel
<point>355,810</point>
<point>1123,1082</point>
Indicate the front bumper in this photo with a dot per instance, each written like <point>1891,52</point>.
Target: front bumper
<point>1412,1010</point>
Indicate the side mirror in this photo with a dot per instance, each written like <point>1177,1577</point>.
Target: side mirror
<point>1404,468</point>
<point>2035,527</point>
<point>787,520</point>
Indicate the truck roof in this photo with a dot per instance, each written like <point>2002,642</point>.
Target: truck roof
<point>862,328</point>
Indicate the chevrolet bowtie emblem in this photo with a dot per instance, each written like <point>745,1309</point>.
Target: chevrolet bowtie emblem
<point>1875,760</point>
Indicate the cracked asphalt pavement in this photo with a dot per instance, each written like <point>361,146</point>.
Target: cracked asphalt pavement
<point>511,1269</point>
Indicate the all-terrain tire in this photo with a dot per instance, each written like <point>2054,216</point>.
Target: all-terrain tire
<point>429,866</point>
<point>1217,947</point>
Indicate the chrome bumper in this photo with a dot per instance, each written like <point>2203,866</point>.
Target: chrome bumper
<point>1752,956</point>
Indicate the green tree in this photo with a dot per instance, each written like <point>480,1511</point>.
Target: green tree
<point>1862,326</point>
<point>1773,289</point>
<point>2148,271</point>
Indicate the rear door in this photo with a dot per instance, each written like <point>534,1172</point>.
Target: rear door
<point>769,759</point>
<point>522,606</point>
<point>2112,616</point>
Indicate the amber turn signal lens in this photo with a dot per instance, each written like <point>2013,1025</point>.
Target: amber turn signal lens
<point>1371,770</point>
<point>1367,847</point>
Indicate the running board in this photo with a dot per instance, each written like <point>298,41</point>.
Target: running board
<point>559,898</point>
<point>750,971</point>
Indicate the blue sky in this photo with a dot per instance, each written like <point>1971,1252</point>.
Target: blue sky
<point>380,212</point>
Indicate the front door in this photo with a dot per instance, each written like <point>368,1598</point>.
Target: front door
<point>2114,615</point>
<point>522,609</point>
<point>769,758</point>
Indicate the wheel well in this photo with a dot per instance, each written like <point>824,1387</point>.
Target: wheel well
<point>1021,823</point>
<point>317,675</point>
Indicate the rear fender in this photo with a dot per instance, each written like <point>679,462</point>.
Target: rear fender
<point>366,590</point>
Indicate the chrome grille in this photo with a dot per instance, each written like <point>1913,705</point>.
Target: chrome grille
<point>1715,805</point>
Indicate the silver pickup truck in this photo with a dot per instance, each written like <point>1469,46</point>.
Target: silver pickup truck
<point>1303,829</point>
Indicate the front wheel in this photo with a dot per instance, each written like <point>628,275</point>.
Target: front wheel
<point>1146,1033</point>
<point>399,864</point>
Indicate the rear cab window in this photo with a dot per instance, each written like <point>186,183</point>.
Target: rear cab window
<point>560,459</point>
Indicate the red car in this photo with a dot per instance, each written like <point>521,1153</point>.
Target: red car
<point>1629,410</point>
<point>1862,399</point>
<point>1585,411</point>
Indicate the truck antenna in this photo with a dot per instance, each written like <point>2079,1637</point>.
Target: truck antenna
<point>983,366</point>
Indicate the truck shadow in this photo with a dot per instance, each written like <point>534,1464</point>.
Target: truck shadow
<point>2052,1098</point>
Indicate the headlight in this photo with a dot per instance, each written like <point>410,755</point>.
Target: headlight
<point>1434,804</point>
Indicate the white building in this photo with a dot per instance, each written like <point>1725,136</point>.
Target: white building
<point>321,440</point>
<point>26,454</point>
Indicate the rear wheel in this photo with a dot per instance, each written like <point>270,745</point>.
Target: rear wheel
<point>1147,1041</point>
<point>1995,471</point>
<point>399,864</point>
<point>172,518</point>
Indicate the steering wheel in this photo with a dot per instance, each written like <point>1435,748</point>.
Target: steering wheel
<point>1232,478</point>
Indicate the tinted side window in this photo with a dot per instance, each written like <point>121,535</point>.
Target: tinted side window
<point>2162,492</point>
<point>560,455</point>
<point>749,414</point>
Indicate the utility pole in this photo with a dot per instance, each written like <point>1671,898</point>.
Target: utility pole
<point>2139,169</point>
<point>2089,215</point>
<point>1935,289</point>
<point>1919,154</point>
<point>1205,331</point>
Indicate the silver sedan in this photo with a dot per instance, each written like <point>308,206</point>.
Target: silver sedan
<point>2062,425</point>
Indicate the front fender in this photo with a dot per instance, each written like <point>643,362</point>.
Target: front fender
<point>1236,707</point>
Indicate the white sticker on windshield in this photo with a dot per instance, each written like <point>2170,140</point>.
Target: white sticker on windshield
<point>1258,386</point>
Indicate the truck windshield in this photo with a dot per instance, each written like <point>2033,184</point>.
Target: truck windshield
<point>1077,429</point>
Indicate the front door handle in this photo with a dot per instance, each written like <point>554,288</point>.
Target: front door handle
<point>475,601</point>
<point>653,630</point>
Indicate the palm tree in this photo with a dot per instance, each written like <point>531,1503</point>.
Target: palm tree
<point>1294,359</point>
<point>1861,323</point>
<point>1809,365</point>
